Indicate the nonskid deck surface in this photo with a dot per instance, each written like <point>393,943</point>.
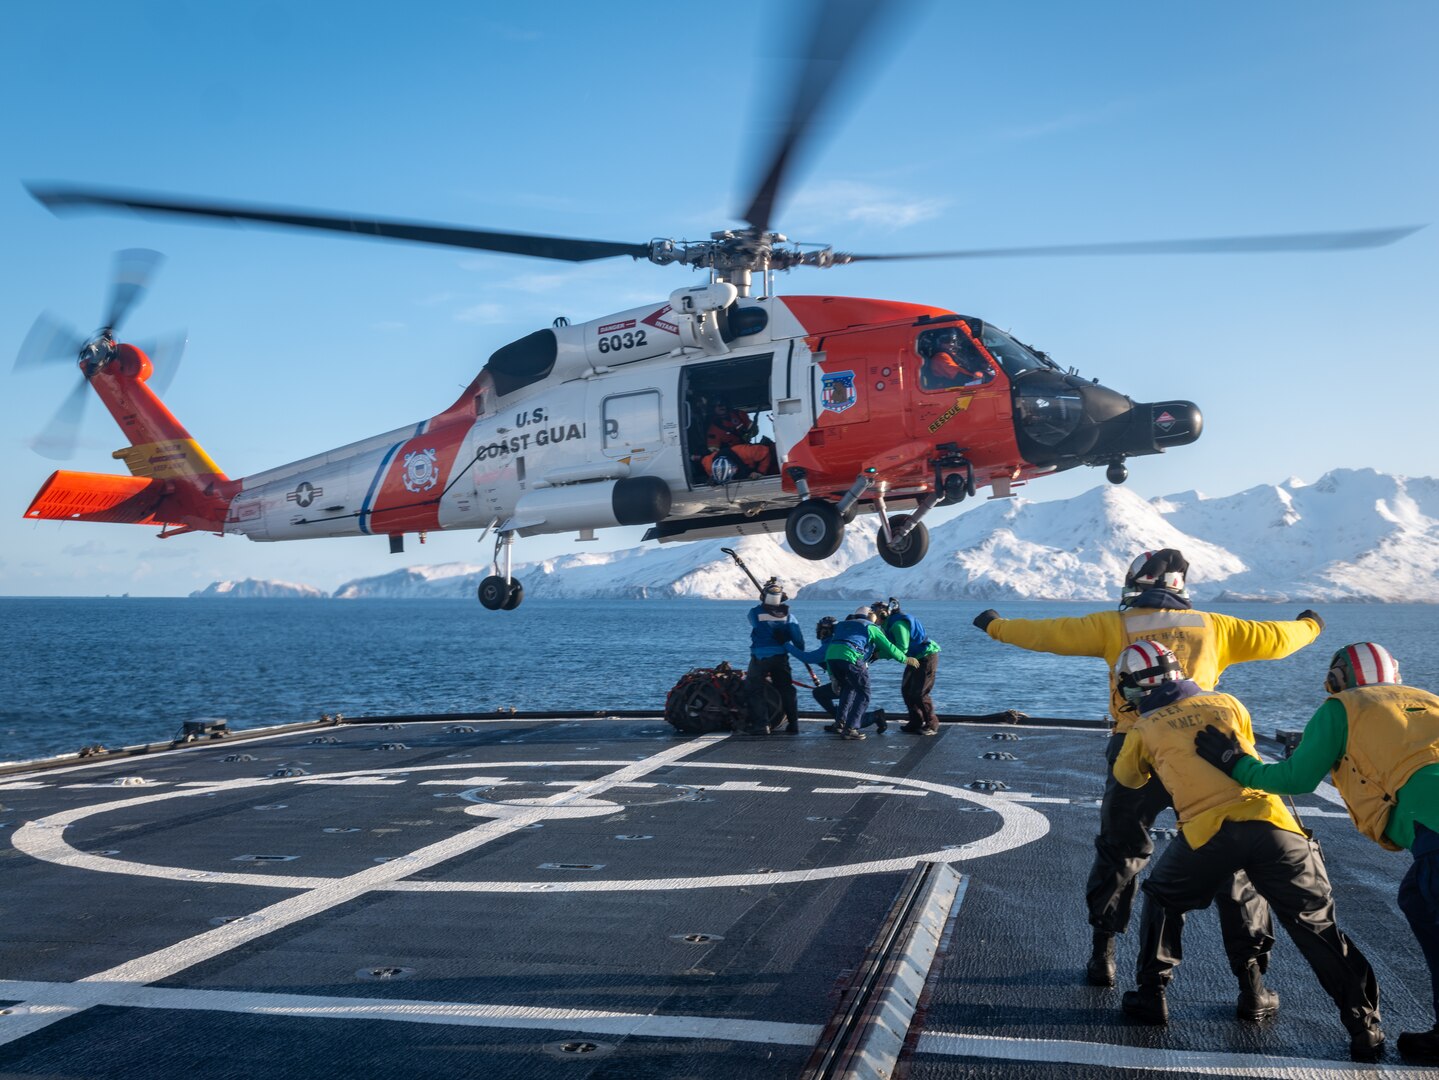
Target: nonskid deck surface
<point>605,899</point>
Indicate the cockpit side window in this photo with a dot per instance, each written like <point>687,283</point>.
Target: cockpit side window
<point>951,356</point>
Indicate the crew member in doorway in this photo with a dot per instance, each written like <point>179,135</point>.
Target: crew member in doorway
<point>1380,740</point>
<point>826,695</point>
<point>907,634</point>
<point>854,643</point>
<point>772,629</point>
<point>1226,830</point>
<point>1154,605</point>
<point>729,427</point>
<point>744,461</point>
<point>953,358</point>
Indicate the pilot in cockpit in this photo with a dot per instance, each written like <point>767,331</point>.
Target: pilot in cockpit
<point>951,359</point>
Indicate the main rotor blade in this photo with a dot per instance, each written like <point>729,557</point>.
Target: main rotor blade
<point>50,341</point>
<point>836,26</point>
<point>1330,241</point>
<point>134,267</point>
<point>57,440</point>
<point>569,249</point>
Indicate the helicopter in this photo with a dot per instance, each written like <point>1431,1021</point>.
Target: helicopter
<point>651,416</point>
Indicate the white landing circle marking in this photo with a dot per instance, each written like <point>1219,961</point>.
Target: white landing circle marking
<point>1019,825</point>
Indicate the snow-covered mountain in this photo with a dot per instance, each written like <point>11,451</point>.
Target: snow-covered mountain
<point>1356,535</point>
<point>253,589</point>
<point>698,570</point>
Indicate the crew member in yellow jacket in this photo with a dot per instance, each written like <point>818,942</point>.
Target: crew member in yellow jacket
<point>1226,829</point>
<point>1380,741</point>
<point>1153,605</point>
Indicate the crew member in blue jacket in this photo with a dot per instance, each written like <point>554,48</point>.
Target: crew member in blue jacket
<point>772,629</point>
<point>907,633</point>
<point>825,693</point>
<point>853,643</point>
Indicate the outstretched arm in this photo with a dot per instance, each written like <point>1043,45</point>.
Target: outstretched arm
<point>1325,737</point>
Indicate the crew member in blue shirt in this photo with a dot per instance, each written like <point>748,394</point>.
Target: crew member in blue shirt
<point>772,629</point>
<point>825,693</point>
<point>853,643</point>
<point>907,634</point>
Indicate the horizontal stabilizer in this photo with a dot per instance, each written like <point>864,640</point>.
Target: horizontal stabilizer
<point>80,496</point>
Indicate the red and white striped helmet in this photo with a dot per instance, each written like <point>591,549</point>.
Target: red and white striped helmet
<point>1163,569</point>
<point>1362,664</point>
<point>1145,665</point>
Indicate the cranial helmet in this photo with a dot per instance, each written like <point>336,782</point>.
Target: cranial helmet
<point>1361,664</point>
<point>824,629</point>
<point>863,612</point>
<point>1143,667</point>
<point>1163,569</point>
<point>881,610</point>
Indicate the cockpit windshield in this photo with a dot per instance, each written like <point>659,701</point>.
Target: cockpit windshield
<point>1012,356</point>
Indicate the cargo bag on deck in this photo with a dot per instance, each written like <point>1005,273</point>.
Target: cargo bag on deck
<point>712,699</point>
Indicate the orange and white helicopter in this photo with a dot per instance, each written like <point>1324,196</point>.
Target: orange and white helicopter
<point>647,416</point>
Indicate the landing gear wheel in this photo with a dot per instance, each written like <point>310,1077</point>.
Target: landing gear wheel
<point>517,594</point>
<point>910,550</point>
<point>494,592</point>
<point>814,529</point>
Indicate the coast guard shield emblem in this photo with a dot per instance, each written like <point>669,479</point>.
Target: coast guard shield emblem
<point>420,470</point>
<point>837,391</point>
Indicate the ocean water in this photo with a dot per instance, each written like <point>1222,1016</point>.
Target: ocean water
<point>126,671</point>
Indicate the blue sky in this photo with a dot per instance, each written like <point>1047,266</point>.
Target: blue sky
<point>983,125</point>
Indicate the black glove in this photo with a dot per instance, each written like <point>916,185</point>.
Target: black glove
<point>1310,613</point>
<point>984,618</point>
<point>1220,750</point>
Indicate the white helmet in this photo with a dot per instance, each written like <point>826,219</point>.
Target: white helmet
<point>864,611</point>
<point>1361,664</point>
<point>722,468</point>
<point>1163,569</point>
<point>1144,666</point>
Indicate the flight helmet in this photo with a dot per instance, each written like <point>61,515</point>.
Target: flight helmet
<point>863,612</point>
<point>723,469</point>
<point>824,629</point>
<point>1145,666</point>
<point>1361,664</point>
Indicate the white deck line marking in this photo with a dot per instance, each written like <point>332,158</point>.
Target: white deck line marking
<point>1190,1062</point>
<point>187,953</point>
<point>1019,825</point>
<point>867,789</point>
<point>458,1013</point>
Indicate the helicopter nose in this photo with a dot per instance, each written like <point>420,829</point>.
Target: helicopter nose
<point>1064,421</point>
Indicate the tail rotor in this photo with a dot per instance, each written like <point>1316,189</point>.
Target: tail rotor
<point>53,341</point>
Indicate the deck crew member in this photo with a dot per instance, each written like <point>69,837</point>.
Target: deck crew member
<point>772,628</point>
<point>1154,605</point>
<point>1226,829</point>
<point>825,694</point>
<point>854,643</point>
<point>908,635</point>
<point>1380,740</point>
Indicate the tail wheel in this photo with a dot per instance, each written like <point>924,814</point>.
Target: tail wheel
<point>911,549</point>
<point>517,595</point>
<point>494,593</point>
<point>814,529</point>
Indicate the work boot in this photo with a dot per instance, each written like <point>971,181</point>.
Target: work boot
<point>1256,1002</point>
<point>832,729</point>
<point>1100,969</point>
<point>929,730</point>
<point>1366,1044</point>
<point>852,734</point>
<point>912,729</point>
<point>1420,1047</point>
<point>1147,1005</point>
<point>880,723</point>
<point>792,728</point>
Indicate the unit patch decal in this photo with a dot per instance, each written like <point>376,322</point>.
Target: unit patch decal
<point>837,391</point>
<point>420,470</point>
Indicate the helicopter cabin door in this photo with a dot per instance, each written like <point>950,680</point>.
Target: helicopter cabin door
<point>631,425</point>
